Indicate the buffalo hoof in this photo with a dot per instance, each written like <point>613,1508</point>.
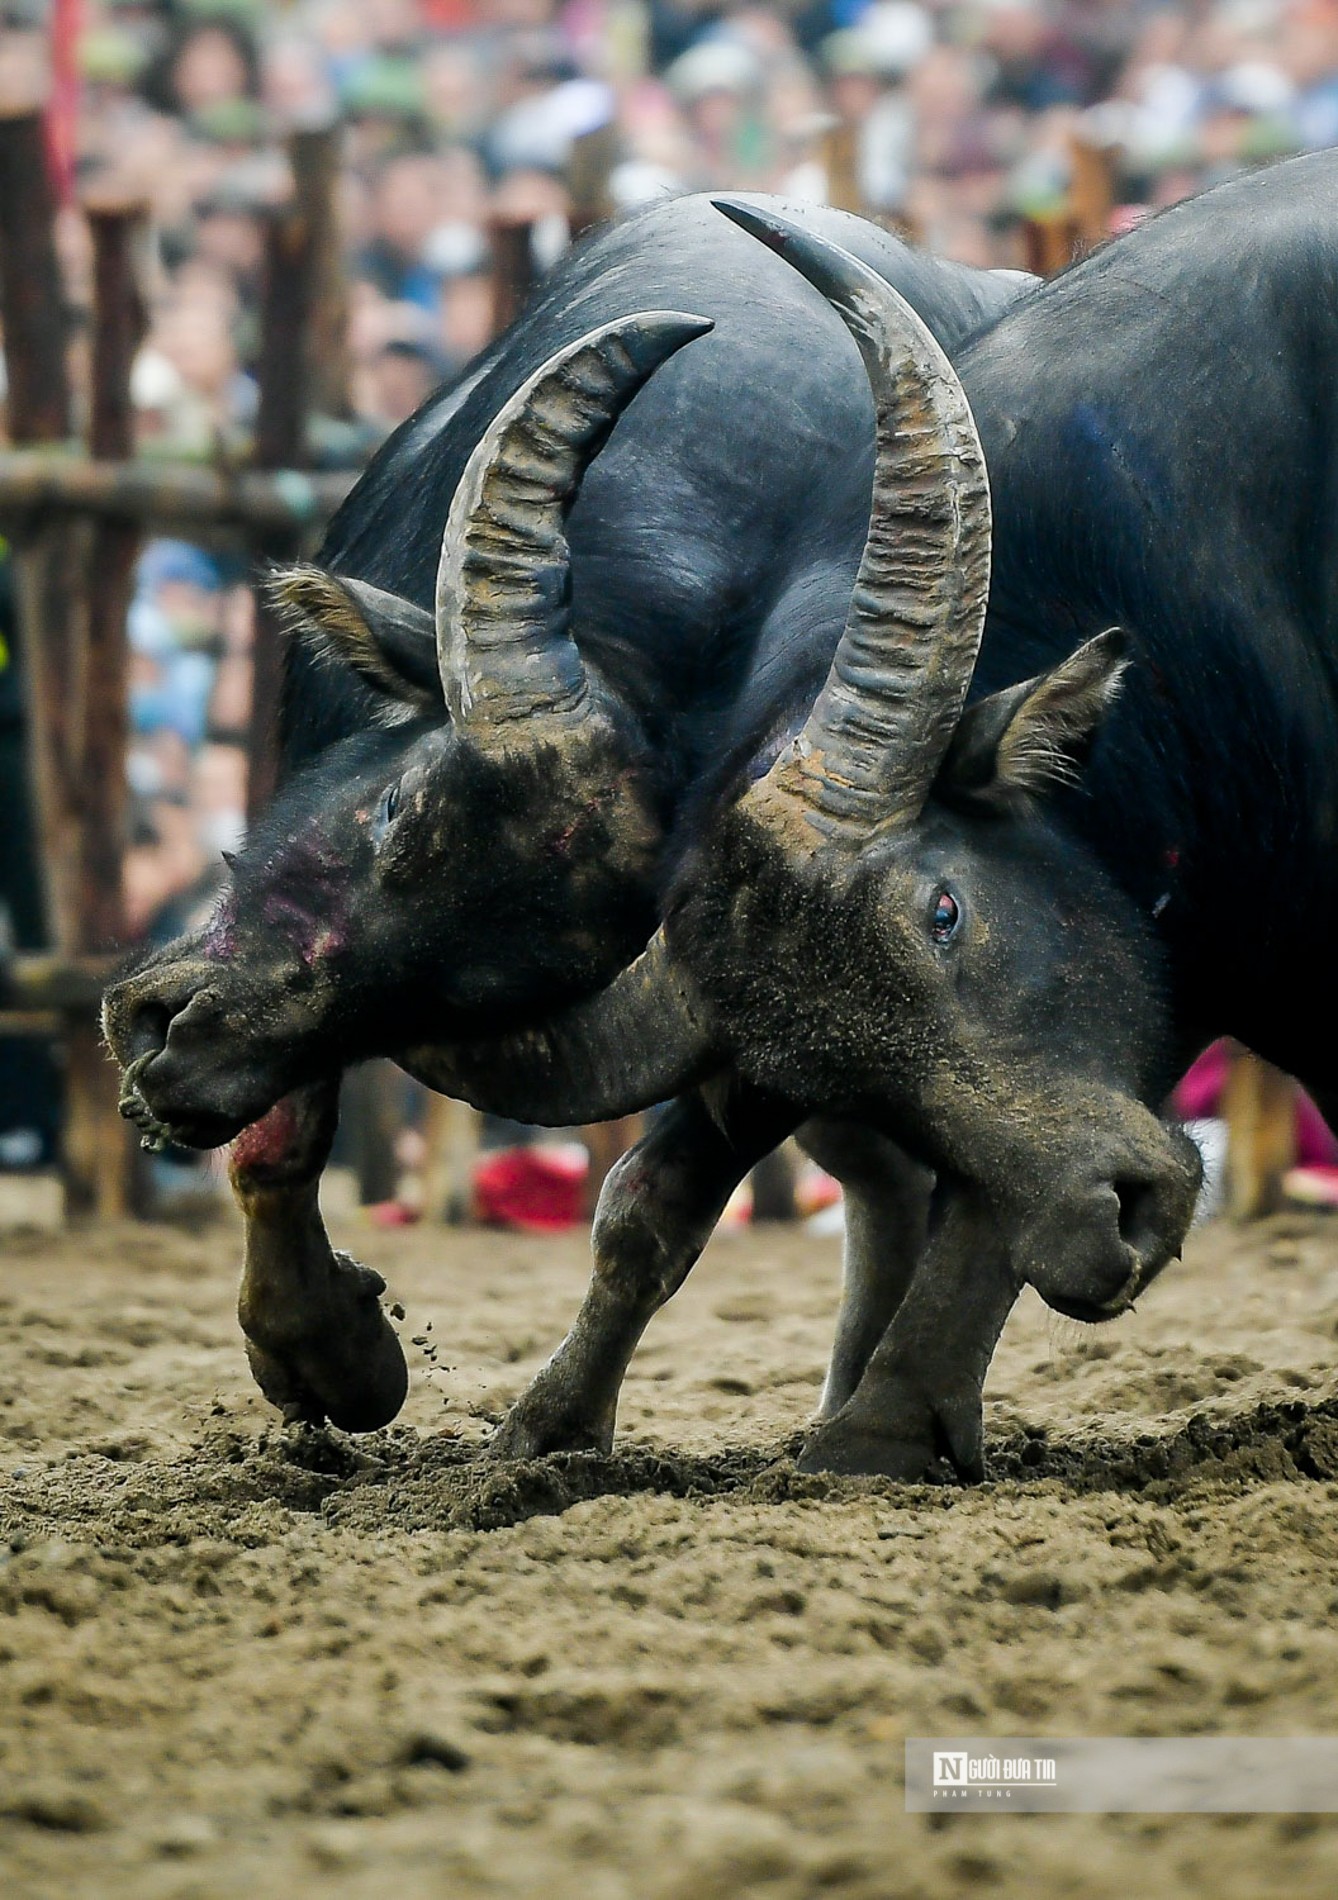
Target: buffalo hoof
<point>904,1443</point>
<point>339,1358</point>
<point>857,1454</point>
<point>541,1421</point>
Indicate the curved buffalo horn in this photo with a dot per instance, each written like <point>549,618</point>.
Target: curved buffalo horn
<point>643,1039</point>
<point>503,604</point>
<point>878,731</point>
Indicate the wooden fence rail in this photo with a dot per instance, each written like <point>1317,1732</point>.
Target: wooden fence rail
<point>239,503</point>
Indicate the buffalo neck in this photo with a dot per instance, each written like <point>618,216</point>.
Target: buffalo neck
<point>1161,448</point>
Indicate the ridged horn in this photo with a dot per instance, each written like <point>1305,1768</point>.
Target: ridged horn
<point>642,1040</point>
<point>503,603</point>
<point>878,730</point>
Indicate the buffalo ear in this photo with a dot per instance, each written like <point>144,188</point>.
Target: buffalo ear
<point>388,640</point>
<point>1018,743</point>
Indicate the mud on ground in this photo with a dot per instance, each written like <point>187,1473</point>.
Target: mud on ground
<point>240,1660</point>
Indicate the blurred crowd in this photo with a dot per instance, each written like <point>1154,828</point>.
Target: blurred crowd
<point>954,118</point>
<point>960,116</point>
<point>190,630</point>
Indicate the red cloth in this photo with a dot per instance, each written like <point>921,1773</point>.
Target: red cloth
<point>1198,1094</point>
<point>539,1190</point>
<point>450,16</point>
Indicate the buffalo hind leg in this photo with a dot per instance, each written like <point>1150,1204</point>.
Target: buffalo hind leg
<point>657,1210</point>
<point>319,1344</point>
<point>921,1395</point>
<point>886,1219</point>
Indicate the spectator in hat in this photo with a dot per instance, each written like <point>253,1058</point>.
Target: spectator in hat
<point>717,85</point>
<point>868,65</point>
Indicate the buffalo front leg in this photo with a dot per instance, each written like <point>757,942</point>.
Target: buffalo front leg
<point>886,1197</point>
<point>921,1395</point>
<point>658,1208</point>
<point>319,1344</point>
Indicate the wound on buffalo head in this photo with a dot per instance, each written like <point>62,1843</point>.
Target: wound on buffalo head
<point>388,640</point>
<point>1019,742</point>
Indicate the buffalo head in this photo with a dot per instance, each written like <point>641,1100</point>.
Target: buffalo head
<point>488,846</point>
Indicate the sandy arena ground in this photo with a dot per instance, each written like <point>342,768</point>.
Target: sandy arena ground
<point>236,1660</point>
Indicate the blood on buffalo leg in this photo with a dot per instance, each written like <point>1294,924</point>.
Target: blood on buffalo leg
<point>318,1342</point>
<point>607,1143</point>
<point>921,1394</point>
<point>886,1219</point>
<point>659,1206</point>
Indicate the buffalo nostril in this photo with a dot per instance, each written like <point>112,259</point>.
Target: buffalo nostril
<point>148,1029</point>
<point>1138,1216</point>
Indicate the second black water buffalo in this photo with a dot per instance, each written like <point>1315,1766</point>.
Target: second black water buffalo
<point>1014,870</point>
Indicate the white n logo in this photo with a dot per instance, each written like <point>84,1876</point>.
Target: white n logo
<point>949,1769</point>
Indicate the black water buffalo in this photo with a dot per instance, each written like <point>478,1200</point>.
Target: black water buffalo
<point>990,906</point>
<point>498,744</point>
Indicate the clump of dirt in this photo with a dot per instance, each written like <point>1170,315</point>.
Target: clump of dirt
<point>239,1658</point>
<point>1274,1441</point>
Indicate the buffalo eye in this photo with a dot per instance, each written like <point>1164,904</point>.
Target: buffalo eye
<point>385,817</point>
<point>946,918</point>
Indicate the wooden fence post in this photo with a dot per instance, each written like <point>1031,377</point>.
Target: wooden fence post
<point>120,320</point>
<point>1259,1105</point>
<point>32,296</point>
<point>32,306</point>
<point>840,159</point>
<point>282,371</point>
<point>451,1134</point>
<point>1091,193</point>
<point>593,157</point>
<point>1048,243</point>
<point>513,271</point>
<point>315,155</point>
<point>1051,243</point>
<point>99,1147</point>
<point>293,260</point>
